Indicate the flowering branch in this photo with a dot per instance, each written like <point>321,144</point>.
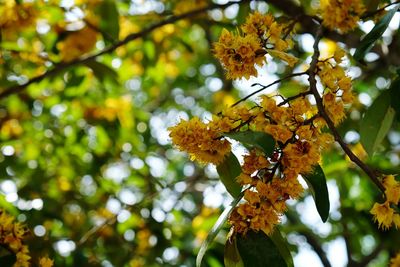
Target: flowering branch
<point>263,87</point>
<point>313,87</point>
<point>133,36</point>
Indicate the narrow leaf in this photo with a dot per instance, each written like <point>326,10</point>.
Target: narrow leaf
<point>109,23</point>
<point>376,122</point>
<point>281,245</point>
<point>368,41</point>
<point>228,170</point>
<point>215,230</point>
<point>258,250</point>
<point>395,97</point>
<point>102,71</point>
<point>261,140</point>
<point>317,183</point>
<point>231,254</point>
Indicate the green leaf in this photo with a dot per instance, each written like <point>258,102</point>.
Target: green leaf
<point>258,250</point>
<point>215,230</point>
<point>8,260</point>
<point>149,49</point>
<point>261,140</point>
<point>317,183</point>
<point>109,23</point>
<point>102,71</point>
<point>228,170</point>
<point>395,97</point>
<point>281,245</point>
<point>376,122</point>
<point>368,41</point>
<point>231,254</point>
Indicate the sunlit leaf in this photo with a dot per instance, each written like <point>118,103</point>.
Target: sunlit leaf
<point>231,254</point>
<point>368,41</point>
<point>215,230</point>
<point>317,183</point>
<point>228,170</point>
<point>261,140</point>
<point>376,122</point>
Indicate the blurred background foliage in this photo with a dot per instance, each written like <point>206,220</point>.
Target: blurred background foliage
<point>86,162</point>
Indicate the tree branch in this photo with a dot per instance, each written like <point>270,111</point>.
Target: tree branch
<point>263,87</point>
<point>63,65</point>
<point>313,87</point>
<point>311,238</point>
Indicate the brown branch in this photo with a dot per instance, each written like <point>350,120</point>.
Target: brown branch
<point>367,259</point>
<point>311,238</point>
<point>263,87</point>
<point>373,13</point>
<point>290,98</point>
<point>313,87</point>
<point>63,65</point>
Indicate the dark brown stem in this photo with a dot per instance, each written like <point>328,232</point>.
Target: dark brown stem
<point>288,99</point>
<point>313,87</point>
<point>373,13</point>
<point>311,238</point>
<point>263,87</point>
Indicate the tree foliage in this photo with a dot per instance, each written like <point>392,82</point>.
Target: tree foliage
<point>287,116</point>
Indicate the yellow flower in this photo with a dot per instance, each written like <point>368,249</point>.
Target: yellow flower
<point>342,15</point>
<point>45,262</point>
<point>279,132</point>
<point>392,189</point>
<point>239,54</point>
<point>14,17</point>
<point>383,213</point>
<point>257,24</point>
<point>395,261</point>
<point>200,141</point>
<point>289,59</point>
<point>396,220</point>
<point>77,43</point>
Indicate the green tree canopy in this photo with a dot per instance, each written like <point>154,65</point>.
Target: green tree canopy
<point>208,132</point>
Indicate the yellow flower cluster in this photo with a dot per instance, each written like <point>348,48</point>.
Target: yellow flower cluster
<point>77,43</point>
<point>11,236</point>
<point>272,179</point>
<point>240,53</point>
<point>384,213</point>
<point>46,262</point>
<point>337,86</point>
<point>202,141</point>
<point>341,14</point>
<point>14,16</point>
<point>395,261</point>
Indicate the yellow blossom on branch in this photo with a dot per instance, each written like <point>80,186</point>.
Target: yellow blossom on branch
<point>383,213</point>
<point>77,43</point>
<point>342,15</point>
<point>395,261</point>
<point>200,141</point>
<point>239,54</point>
<point>12,235</point>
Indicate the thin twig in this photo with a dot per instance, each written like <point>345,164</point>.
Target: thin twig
<point>288,99</point>
<point>263,87</point>
<point>372,13</point>
<point>313,87</point>
<point>63,65</point>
